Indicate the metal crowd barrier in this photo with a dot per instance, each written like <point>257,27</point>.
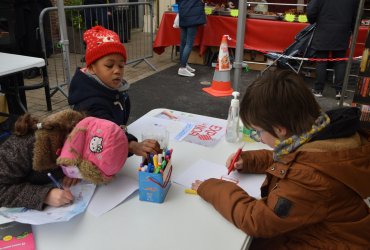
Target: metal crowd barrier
<point>133,22</point>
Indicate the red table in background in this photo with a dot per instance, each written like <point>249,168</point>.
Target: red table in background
<point>262,35</point>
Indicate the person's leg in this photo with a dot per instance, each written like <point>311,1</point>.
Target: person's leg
<point>184,32</point>
<point>88,18</point>
<point>339,70</point>
<point>190,36</point>
<point>320,72</point>
<point>105,18</point>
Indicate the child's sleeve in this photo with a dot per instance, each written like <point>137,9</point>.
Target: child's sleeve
<point>16,164</point>
<point>131,137</point>
<point>278,213</point>
<point>256,161</point>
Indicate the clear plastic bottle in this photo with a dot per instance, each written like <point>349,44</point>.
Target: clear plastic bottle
<point>232,128</point>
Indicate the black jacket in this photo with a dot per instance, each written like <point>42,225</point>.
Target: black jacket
<point>26,20</point>
<point>86,94</point>
<point>335,22</point>
<point>191,13</point>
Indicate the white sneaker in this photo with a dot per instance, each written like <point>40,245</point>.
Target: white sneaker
<point>185,72</point>
<point>190,69</point>
<point>338,95</point>
<point>317,93</point>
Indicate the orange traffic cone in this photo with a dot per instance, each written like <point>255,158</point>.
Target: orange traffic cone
<point>221,85</point>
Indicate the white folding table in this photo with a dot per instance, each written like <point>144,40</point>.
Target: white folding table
<point>11,64</point>
<point>183,221</point>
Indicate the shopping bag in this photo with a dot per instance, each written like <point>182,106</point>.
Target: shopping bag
<point>176,22</point>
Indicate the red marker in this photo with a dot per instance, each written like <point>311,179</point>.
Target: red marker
<point>236,156</point>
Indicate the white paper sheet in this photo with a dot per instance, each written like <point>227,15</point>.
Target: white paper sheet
<point>199,130</point>
<point>202,170</point>
<point>82,193</point>
<point>109,196</point>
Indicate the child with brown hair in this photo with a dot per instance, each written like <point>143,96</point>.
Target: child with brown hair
<point>99,89</point>
<point>65,144</point>
<point>316,193</point>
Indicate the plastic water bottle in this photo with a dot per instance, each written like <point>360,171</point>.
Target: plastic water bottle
<point>232,128</point>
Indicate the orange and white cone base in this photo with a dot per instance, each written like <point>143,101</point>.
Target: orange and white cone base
<point>221,85</point>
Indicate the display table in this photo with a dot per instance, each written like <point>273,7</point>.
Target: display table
<point>263,35</point>
<point>183,221</point>
<point>11,67</point>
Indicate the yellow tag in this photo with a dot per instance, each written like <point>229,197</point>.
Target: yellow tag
<point>208,10</point>
<point>289,17</point>
<point>234,13</point>
<point>302,19</point>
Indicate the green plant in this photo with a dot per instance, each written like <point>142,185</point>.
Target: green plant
<point>74,18</point>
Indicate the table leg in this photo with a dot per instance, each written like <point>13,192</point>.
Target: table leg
<point>45,79</point>
<point>16,101</point>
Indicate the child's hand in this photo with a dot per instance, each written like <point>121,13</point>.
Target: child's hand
<point>68,182</point>
<point>58,197</point>
<point>238,164</point>
<point>195,185</point>
<point>144,148</point>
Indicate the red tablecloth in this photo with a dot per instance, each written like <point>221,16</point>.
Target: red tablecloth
<point>264,35</point>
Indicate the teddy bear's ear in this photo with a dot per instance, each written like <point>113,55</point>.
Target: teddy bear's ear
<point>66,119</point>
<point>46,146</point>
<point>91,173</point>
<point>50,138</point>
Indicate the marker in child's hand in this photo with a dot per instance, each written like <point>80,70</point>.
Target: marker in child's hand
<point>56,183</point>
<point>236,156</point>
<point>190,191</point>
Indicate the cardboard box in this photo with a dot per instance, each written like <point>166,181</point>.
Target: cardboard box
<point>257,66</point>
<point>254,56</point>
<point>154,187</point>
<point>195,58</point>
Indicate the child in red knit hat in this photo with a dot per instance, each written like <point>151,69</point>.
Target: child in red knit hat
<point>99,89</point>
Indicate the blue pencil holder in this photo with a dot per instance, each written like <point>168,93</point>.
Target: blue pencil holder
<point>154,187</point>
<point>175,7</point>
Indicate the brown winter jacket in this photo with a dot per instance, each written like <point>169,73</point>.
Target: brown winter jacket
<point>312,198</point>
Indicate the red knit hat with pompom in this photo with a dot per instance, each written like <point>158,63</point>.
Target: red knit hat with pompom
<point>101,42</point>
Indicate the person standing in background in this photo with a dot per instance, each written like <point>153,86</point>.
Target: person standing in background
<point>335,21</point>
<point>97,16</point>
<point>192,15</point>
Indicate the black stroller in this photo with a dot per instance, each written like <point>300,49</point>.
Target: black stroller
<point>300,48</point>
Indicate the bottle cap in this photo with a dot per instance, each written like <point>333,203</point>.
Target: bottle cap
<point>235,101</point>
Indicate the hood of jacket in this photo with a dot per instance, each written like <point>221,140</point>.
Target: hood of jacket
<point>344,122</point>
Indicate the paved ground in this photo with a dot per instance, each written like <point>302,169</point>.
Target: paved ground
<point>164,88</point>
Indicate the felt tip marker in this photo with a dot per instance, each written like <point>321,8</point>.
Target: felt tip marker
<point>236,156</point>
<point>56,183</point>
<point>190,191</point>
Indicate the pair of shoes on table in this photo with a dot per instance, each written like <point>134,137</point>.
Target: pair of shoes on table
<point>338,95</point>
<point>317,93</point>
<point>185,72</point>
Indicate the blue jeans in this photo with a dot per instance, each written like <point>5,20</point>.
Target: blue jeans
<point>187,39</point>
